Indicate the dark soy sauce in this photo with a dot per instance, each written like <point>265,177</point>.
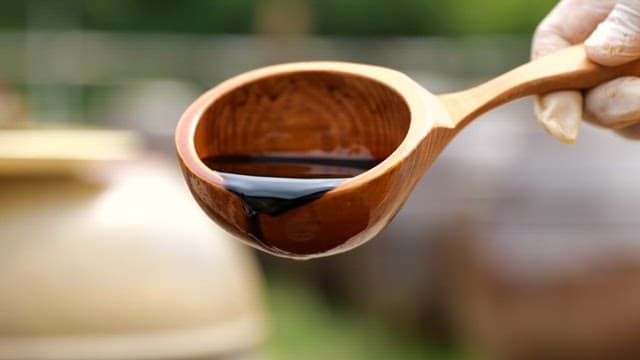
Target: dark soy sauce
<point>274,184</point>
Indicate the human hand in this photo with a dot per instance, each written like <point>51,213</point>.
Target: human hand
<point>610,31</point>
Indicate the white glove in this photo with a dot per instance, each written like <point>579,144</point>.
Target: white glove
<point>616,40</point>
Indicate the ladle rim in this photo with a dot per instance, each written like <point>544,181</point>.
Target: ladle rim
<point>419,101</point>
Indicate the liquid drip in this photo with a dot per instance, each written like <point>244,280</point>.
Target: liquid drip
<point>272,185</point>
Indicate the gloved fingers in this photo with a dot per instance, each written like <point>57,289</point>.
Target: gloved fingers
<point>570,22</point>
<point>617,39</point>
<point>630,132</point>
<point>560,114</point>
<point>614,104</point>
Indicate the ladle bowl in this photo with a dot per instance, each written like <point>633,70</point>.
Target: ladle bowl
<point>346,110</point>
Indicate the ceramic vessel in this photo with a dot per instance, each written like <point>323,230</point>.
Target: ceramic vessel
<point>121,267</point>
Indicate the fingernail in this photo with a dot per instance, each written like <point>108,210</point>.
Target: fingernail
<point>560,114</point>
<point>614,104</point>
<point>612,44</point>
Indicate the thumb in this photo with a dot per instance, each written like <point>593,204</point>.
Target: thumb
<point>617,39</point>
<point>560,114</point>
<point>570,22</point>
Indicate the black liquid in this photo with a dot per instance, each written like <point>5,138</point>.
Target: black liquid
<point>272,185</point>
<point>296,167</point>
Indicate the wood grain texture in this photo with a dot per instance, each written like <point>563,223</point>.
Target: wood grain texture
<point>320,113</point>
<point>567,69</point>
<point>342,109</point>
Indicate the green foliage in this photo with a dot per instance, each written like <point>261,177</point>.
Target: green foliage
<point>364,17</point>
<point>496,16</point>
<point>200,16</point>
<point>435,17</point>
<point>13,14</point>
<point>331,17</point>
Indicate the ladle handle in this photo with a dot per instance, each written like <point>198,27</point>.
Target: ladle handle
<point>567,69</point>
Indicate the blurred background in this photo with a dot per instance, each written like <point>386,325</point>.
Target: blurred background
<point>512,247</point>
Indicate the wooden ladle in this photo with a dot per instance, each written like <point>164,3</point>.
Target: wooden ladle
<point>344,109</point>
